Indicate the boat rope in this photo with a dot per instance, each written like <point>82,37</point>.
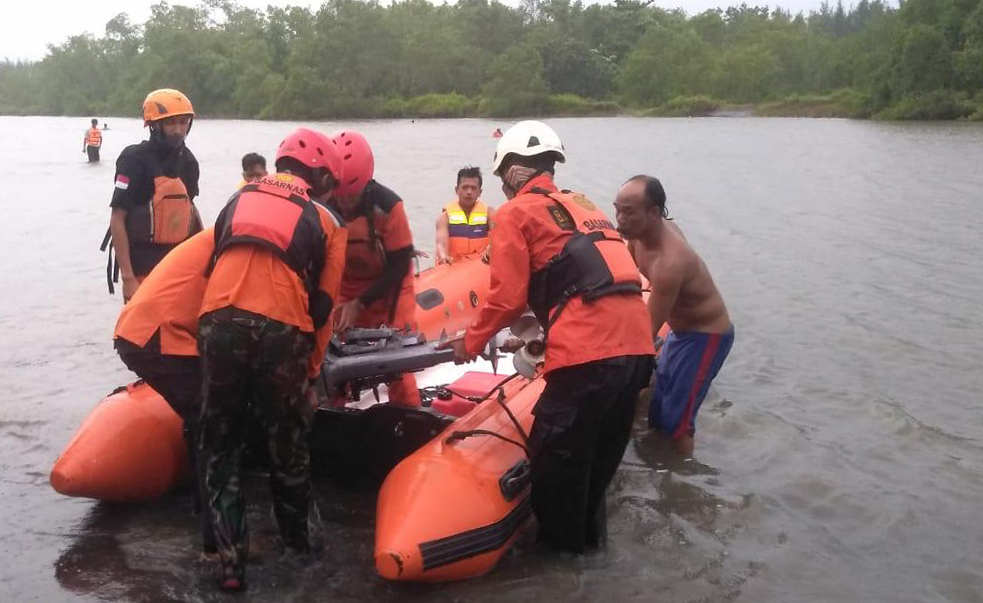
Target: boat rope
<point>461,435</point>
<point>500,398</point>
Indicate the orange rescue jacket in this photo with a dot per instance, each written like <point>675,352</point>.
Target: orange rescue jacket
<point>169,298</point>
<point>169,218</point>
<point>379,227</point>
<point>254,278</point>
<point>588,298</point>
<point>276,212</point>
<point>93,138</point>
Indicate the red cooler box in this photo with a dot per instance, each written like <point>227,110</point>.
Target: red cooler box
<point>471,384</point>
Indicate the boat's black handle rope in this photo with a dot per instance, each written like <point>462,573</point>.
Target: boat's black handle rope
<point>500,388</point>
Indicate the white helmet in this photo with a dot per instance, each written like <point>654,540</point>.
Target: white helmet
<point>527,138</point>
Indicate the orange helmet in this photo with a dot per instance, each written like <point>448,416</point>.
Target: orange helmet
<point>358,162</point>
<point>164,103</point>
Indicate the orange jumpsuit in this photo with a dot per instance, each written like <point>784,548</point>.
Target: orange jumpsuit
<point>371,244</point>
<point>156,337</point>
<point>598,350</point>
<point>254,279</point>
<point>525,237</point>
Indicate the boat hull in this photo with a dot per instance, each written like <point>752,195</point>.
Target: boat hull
<point>443,513</point>
<point>131,448</point>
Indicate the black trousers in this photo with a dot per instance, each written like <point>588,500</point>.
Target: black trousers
<point>93,153</point>
<point>582,427</point>
<point>178,380</point>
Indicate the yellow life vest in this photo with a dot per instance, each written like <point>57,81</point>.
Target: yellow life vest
<point>468,233</point>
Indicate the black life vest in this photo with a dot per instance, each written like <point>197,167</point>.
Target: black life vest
<point>591,264</point>
<point>169,217</point>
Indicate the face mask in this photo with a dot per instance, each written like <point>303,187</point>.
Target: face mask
<point>171,143</point>
<point>515,178</point>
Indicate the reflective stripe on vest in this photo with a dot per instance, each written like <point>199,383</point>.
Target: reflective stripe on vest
<point>594,262</point>
<point>468,233</point>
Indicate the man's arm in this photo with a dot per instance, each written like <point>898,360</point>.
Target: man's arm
<point>397,242</point>
<point>666,279</point>
<point>443,238</point>
<point>127,194</point>
<point>486,252</point>
<point>509,285</point>
<point>121,245</point>
<point>329,282</point>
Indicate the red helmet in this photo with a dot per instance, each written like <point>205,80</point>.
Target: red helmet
<point>312,149</point>
<point>358,162</point>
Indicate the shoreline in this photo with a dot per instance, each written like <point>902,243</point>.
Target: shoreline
<point>840,105</point>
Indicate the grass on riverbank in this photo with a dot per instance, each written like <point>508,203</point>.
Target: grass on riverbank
<point>937,105</point>
<point>458,105</point>
<point>846,103</point>
<point>686,106</point>
<point>842,103</point>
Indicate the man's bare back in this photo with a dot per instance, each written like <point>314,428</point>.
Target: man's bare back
<point>683,292</point>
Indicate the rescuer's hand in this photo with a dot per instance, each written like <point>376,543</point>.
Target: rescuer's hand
<point>347,313</point>
<point>460,353</point>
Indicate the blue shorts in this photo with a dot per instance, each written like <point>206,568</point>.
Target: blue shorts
<point>687,366</point>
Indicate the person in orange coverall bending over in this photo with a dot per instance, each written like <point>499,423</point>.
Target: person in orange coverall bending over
<point>377,288</point>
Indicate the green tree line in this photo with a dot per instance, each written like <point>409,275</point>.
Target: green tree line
<point>358,58</point>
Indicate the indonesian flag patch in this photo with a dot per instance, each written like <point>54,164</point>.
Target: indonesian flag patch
<point>122,182</point>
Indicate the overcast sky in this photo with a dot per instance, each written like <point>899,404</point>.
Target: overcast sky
<point>27,27</point>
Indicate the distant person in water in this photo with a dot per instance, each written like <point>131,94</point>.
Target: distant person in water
<point>497,133</point>
<point>92,142</point>
<point>684,295</point>
<point>105,126</point>
<point>253,168</point>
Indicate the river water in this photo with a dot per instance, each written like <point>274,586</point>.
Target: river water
<point>838,455</point>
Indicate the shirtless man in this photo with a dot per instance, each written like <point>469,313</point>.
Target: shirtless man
<point>683,294</point>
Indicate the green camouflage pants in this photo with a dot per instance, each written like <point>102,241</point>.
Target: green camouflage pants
<point>254,369</point>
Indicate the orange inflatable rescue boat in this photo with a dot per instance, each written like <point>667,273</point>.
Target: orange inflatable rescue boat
<point>130,448</point>
<point>454,507</point>
<point>448,295</point>
<point>475,475</point>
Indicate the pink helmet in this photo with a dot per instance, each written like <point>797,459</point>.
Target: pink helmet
<point>358,162</point>
<point>312,149</point>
